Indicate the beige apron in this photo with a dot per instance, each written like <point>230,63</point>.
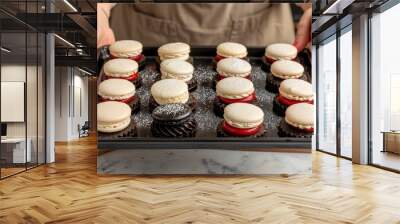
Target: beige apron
<point>203,24</point>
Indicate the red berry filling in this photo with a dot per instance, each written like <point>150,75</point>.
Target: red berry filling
<point>271,60</point>
<point>309,130</point>
<point>239,131</point>
<point>288,102</point>
<point>132,77</point>
<point>247,99</point>
<point>136,58</point>
<point>218,57</point>
<point>127,101</point>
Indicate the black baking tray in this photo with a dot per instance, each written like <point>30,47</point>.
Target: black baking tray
<point>207,121</point>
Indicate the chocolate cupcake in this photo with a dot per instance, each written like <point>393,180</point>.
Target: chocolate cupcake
<point>282,70</point>
<point>123,68</point>
<point>130,49</point>
<point>119,90</point>
<point>278,51</point>
<point>178,69</point>
<point>173,121</point>
<point>292,91</point>
<point>114,120</point>
<point>242,120</point>
<point>177,50</point>
<point>167,91</point>
<point>233,90</point>
<point>298,122</point>
<point>230,50</point>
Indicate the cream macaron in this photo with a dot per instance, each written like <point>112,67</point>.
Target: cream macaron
<point>178,69</point>
<point>300,115</point>
<point>280,51</point>
<point>119,90</point>
<point>131,49</point>
<point>233,67</point>
<point>122,68</point>
<point>298,122</point>
<point>233,90</point>
<point>167,91</point>
<point>292,91</point>
<point>177,50</point>
<point>113,116</point>
<point>296,90</point>
<point>281,70</point>
<point>242,119</point>
<point>116,90</point>
<point>229,50</point>
<point>285,69</point>
<point>170,91</point>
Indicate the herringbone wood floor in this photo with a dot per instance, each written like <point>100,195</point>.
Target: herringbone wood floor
<point>69,191</point>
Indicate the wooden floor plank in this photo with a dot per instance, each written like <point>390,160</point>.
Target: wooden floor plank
<point>70,191</point>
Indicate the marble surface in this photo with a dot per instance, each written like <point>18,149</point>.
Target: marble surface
<point>200,161</point>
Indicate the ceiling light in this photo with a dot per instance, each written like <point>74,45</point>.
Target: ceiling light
<point>5,50</point>
<point>80,51</point>
<point>70,5</point>
<point>65,41</point>
<point>337,7</point>
<point>328,10</point>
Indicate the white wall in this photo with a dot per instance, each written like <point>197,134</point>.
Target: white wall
<point>71,94</point>
<point>61,104</point>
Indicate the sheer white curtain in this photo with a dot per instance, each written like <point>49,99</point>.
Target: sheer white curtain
<point>346,93</point>
<point>327,97</point>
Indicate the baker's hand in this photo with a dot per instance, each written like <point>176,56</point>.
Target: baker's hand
<point>303,34</point>
<point>105,35</point>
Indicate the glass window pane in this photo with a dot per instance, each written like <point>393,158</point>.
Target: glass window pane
<point>31,97</point>
<point>385,84</point>
<point>327,97</point>
<point>346,94</point>
<point>23,77</point>
<point>14,153</point>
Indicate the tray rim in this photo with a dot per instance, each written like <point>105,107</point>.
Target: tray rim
<point>277,144</point>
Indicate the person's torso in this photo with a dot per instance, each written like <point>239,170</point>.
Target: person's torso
<point>203,24</point>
